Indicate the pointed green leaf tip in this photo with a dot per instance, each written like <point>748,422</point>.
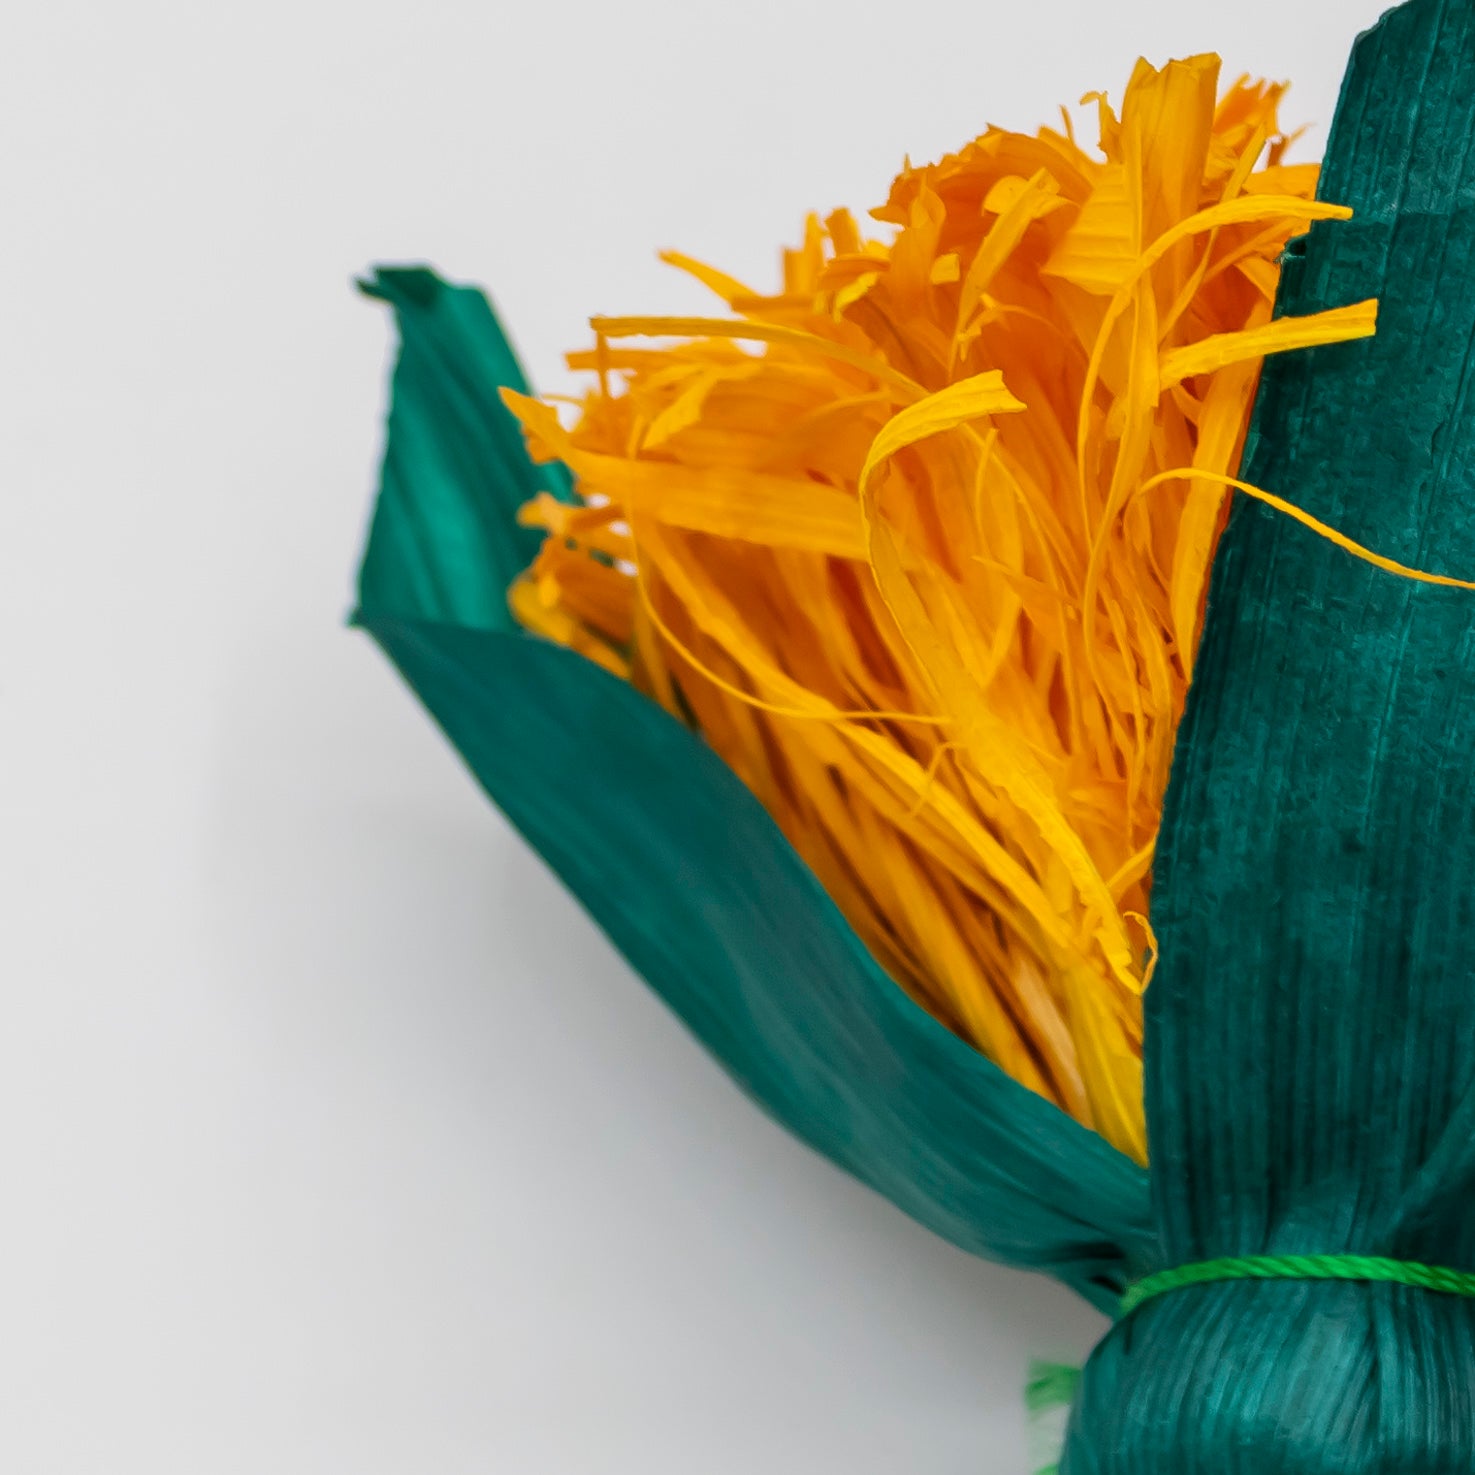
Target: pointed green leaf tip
<point>680,865</point>
<point>445,543</point>
<point>1048,1396</point>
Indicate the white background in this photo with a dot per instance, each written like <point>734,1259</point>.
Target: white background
<point>332,1137</point>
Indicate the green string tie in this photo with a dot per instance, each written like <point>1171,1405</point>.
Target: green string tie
<point>1301,1267</point>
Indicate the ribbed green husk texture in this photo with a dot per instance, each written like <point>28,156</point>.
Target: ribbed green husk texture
<point>1310,1044</point>
<point>677,861</point>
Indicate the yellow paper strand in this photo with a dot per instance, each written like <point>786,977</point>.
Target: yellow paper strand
<point>880,534</point>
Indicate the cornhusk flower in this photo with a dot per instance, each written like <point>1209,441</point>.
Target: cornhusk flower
<point>837,650</point>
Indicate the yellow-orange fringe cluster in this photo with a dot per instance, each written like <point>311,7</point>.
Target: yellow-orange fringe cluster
<point>920,543</point>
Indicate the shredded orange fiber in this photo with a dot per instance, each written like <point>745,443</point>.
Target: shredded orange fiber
<point>878,537</point>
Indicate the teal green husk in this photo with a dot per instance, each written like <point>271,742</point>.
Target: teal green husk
<point>1310,1045</point>
<point>1310,1048</point>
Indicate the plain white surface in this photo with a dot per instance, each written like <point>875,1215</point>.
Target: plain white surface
<point>332,1137</point>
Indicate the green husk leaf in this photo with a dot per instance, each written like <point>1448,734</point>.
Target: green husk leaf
<point>680,865</point>
<point>1310,1045</point>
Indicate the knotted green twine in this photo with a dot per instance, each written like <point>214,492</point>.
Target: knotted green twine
<point>1301,1267</point>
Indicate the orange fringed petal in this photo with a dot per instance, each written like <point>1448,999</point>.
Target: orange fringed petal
<point>881,536</point>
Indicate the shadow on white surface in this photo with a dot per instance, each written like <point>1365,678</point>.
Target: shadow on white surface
<point>545,1233</point>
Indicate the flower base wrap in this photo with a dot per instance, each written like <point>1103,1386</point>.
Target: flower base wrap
<point>1310,1034</point>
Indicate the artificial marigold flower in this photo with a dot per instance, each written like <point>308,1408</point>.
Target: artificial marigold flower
<point>919,543</point>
